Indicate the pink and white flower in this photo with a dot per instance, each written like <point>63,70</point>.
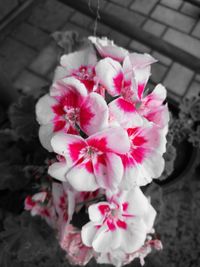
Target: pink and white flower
<point>79,65</point>
<point>128,83</point>
<point>122,223</point>
<point>68,107</point>
<point>107,48</point>
<point>144,161</point>
<point>91,163</point>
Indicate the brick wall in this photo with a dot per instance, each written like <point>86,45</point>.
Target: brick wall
<point>6,7</point>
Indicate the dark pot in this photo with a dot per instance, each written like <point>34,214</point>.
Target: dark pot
<point>186,157</point>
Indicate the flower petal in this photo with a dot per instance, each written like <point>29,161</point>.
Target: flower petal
<point>45,136</point>
<point>68,145</point>
<point>58,196</point>
<point>67,87</point>
<point>149,218</point>
<point>157,97</point>
<point>110,74</point>
<point>137,203</point>
<point>107,48</point>
<point>43,108</point>
<point>158,115</point>
<point>75,60</point>
<point>134,237</point>
<point>58,171</point>
<point>81,177</point>
<point>125,113</point>
<point>107,139</point>
<point>140,174</point>
<point>60,73</point>
<point>87,233</point>
<point>93,114</point>
<point>98,211</point>
<point>105,240</point>
<point>108,171</point>
<point>138,60</point>
<point>141,77</point>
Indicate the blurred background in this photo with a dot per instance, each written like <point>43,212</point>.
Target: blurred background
<point>167,29</point>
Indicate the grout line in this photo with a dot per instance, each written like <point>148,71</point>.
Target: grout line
<point>190,83</point>
<point>37,74</point>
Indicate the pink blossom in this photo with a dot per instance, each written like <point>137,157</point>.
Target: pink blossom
<point>79,65</point>
<point>144,161</point>
<point>67,107</point>
<point>107,48</point>
<point>128,82</point>
<point>76,252</point>
<point>91,163</point>
<point>122,223</point>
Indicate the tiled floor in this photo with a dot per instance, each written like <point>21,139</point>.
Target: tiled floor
<point>28,54</point>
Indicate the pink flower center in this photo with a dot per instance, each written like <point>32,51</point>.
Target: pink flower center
<point>114,217</point>
<point>90,152</point>
<point>71,114</point>
<point>84,73</point>
<point>127,93</point>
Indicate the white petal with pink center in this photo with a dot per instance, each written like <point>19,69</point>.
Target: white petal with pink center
<point>58,170</point>
<point>72,63</point>
<point>68,146</point>
<point>108,171</point>
<point>137,60</point>
<point>45,134</point>
<point>67,86</point>
<point>107,48</point>
<point>145,160</point>
<point>69,107</point>
<point>124,113</point>
<point>44,112</point>
<point>120,223</point>
<point>93,158</point>
<point>138,66</point>
<point>152,107</point>
<point>93,114</point>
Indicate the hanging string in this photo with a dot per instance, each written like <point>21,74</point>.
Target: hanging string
<point>97,13</point>
<point>90,7</point>
<point>97,17</point>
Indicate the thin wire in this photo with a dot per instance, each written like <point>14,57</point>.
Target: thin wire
<point>90,7</point>
<point>97,15</point>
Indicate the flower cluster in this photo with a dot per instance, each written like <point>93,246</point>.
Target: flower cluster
<point>109,135</point>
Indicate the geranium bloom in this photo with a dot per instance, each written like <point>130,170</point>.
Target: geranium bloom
<point>128,82</point>
<point>122,223</point>
<point>93,162</point>
<point>144,161</point>
<point>79,65</point>
<point>107,48</point>
<point>69,105</point>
